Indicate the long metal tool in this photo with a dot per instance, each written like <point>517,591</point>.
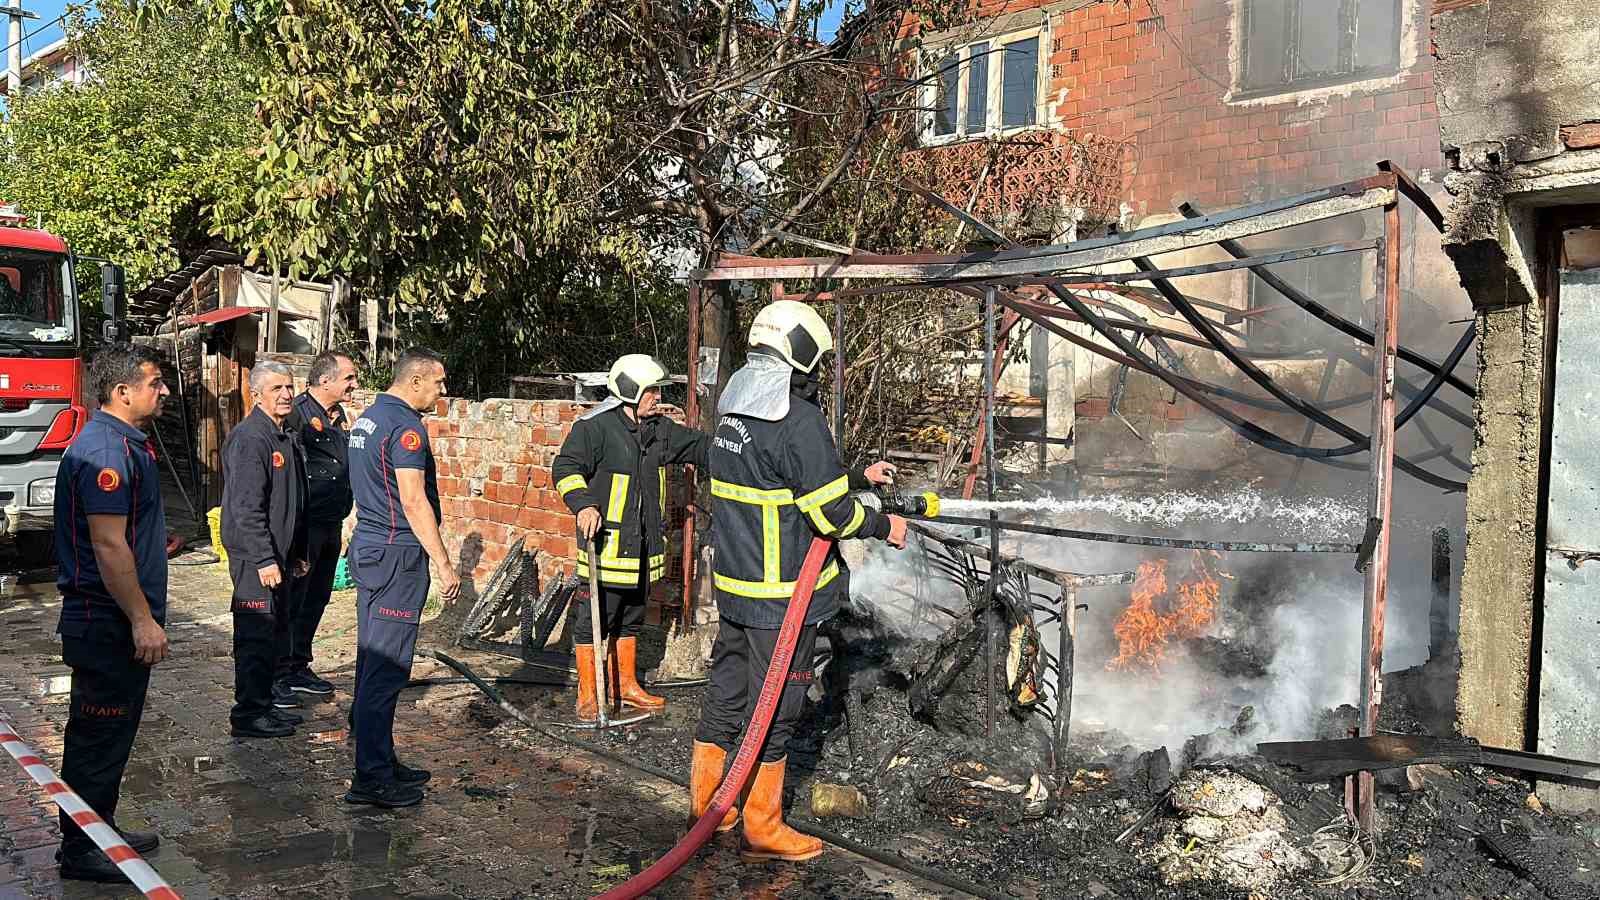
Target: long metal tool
<point>602,671</point>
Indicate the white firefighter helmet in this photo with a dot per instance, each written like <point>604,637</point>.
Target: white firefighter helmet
<point>634,374</point>
<point>794,330</point>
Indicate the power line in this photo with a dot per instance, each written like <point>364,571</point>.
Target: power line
<point>45,27</point>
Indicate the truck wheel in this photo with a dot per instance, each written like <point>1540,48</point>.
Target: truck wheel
<point>35,548</point>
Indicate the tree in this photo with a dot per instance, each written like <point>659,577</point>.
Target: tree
<point>130,165</point>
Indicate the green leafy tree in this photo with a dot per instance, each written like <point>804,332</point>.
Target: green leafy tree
<point>131,164</point>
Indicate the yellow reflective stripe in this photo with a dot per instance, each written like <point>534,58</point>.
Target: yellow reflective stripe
<point>570,483</point>
<point>619,497</point>
<point>661,477</point>
<point>610,561</point>
<point>821,521</point>
<point>769,590</point>
<point>854,524</point>
<point>727,490</point>
<point>771,545</point>
<point>828,493</point>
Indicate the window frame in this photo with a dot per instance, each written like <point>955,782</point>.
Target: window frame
<point>934,57</point>
<point>1347,70</point>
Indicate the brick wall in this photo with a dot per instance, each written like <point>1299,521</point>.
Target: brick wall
<point>1118,72</point>
<point>494,460</point>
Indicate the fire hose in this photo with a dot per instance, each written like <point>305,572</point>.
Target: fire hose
<point>754,736</point>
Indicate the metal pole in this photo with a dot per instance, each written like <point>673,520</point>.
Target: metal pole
<point>691,414</point>
<point>1065,651</point>
<point>989,298</point>
<point>838,371</point>
<point>14,49</point>
<point>1386,343</point>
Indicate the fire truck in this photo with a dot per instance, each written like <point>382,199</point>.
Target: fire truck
<point>42,402</point>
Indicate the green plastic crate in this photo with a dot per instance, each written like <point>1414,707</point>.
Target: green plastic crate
<point>341,575</point>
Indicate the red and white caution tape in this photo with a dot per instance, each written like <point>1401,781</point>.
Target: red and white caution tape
<point>104,836</point>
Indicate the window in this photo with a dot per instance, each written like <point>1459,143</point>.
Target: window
<point>984,88</point>
<point>1305,43</point>
<point>1334,281</point>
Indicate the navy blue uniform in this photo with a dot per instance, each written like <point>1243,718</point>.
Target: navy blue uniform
<point>390,569</point>
<point>324,441</point>
<point>109,470</point>
<point>263,524</point>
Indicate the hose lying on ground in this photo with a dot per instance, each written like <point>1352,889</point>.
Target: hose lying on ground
<point>722,801</point>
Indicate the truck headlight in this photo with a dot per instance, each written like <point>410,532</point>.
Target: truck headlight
<point>42,492</point>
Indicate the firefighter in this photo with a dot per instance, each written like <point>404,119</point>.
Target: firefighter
<point>396,487</point>
<point>611,472</point>
<point>776,483</point>
<point>110,542</point>
<point>264,531</point>
<point>319,420</point>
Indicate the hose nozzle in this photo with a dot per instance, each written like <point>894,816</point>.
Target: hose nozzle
<point>922,506</point>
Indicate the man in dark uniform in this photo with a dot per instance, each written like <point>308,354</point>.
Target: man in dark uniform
<point>319,421</point>
<point>111,544</point>
<point>616,455</point>
<point>264,531</point>
<point>776,484</point>
<point>397,533</point>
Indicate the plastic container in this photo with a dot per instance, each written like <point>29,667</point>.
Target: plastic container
<point>341,575</point>
<point>214,519</point>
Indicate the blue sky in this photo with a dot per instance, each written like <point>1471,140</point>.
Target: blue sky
<point>46,10</point>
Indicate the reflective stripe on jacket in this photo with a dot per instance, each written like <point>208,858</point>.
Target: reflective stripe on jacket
<point>617,466</point>
<point>775,486</point>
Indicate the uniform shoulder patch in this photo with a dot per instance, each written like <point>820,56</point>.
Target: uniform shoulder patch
<point>316,423</point>
<point>108,480</point>
<point>411,440</point>
<point>277,459</point>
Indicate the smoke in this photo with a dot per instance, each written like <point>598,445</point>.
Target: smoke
<point>1286,640</point>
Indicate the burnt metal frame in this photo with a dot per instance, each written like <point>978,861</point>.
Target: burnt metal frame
<point>1053,267</point>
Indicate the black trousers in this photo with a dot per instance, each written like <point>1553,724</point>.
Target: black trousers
<point>392,587</point>
<point>108,691</point>
<point>260,637</point>
<point>621,608</point>
<point>308,596</point>
<point>739,661</point>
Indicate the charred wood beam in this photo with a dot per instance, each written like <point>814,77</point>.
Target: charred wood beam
<point>1146,541</point>
<point>1319,760</point>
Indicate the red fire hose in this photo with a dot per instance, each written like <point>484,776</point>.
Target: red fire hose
<point>754,736</point>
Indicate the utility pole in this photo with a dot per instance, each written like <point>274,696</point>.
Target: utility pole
<point>14,14</point>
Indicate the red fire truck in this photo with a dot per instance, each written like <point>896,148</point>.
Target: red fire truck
<point>42,403</point>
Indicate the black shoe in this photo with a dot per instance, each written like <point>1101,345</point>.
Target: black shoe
<point>142,842</point>
<point>287,718</point>
<point>389,796</point>
<point>404,774</point>
<point>262,727</point>
<point>283,697</point>
<point>306,682</point>
<point>90,865</point>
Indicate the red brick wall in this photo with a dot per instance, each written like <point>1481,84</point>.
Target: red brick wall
<point>1189,143</point>
<point>494,460</point>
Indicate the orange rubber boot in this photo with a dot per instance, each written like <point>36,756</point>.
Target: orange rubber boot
<point>765,835</point>
<point>628,690</point>
<point>588,708</point>
<point>705,774</point>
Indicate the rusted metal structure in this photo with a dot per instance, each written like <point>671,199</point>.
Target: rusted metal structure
<point>1047,285</point>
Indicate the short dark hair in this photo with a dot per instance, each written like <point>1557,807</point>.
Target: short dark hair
<point>119,364</point>
<point>413,361</point>
<point>324,366</point>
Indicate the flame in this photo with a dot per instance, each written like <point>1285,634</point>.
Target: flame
<point>1143,630</point>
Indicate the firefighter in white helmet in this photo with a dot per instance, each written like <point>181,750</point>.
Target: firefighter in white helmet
<point>611,472</point>
<point>776,484</point>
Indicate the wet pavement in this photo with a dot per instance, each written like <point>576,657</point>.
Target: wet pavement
<point>510,813</point>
